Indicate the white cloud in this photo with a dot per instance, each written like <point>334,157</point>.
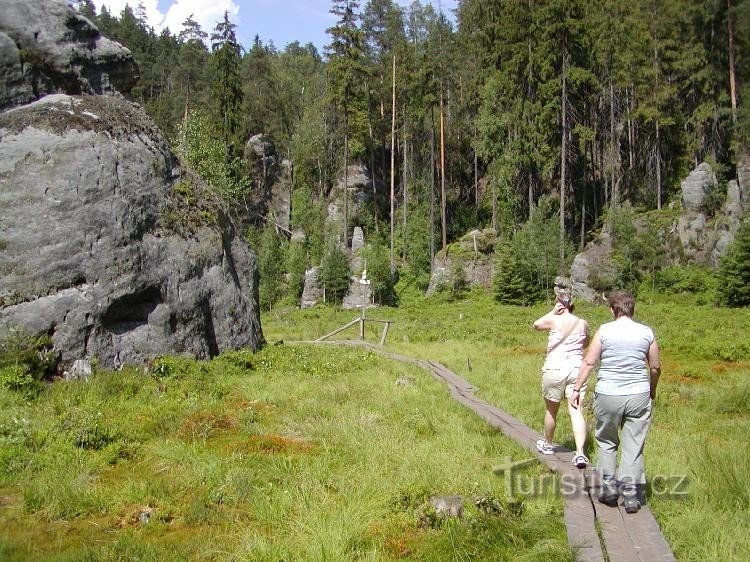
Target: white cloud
<point>206,12</point>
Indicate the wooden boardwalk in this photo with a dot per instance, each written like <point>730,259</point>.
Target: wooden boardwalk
<point>620,536</point>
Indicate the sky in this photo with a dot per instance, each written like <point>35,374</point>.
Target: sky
<point>280,21</point>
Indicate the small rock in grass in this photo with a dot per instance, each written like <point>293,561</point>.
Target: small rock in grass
<point>448,506</point>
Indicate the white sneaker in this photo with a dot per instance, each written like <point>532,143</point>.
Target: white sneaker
<point>580,461</point>
<point>544,447</point>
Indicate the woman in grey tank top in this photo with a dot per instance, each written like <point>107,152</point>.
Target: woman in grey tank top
<point>626,385</point>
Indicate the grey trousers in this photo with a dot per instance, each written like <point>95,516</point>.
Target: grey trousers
<point>622,422</point>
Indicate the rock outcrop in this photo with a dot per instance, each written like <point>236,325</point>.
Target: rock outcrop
<point>693,237</point>
<point>48,48</point>
<point>466,263</point>
<point>98,245</point>
<point>272,176</point>
<point>312,292</point>
<point>359,190</point>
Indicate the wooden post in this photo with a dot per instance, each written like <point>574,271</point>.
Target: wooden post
<point>385,332</point>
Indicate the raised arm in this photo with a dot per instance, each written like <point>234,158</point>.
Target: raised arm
<point>547,321</point>
<point>654,366</point>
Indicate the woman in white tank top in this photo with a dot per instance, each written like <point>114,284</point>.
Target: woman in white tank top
<point>568,335</point>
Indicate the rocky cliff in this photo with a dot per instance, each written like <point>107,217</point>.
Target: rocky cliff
<point>691,232</point>
<point>101,244</point>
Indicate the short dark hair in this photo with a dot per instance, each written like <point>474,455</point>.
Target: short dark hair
<point>622,303</point>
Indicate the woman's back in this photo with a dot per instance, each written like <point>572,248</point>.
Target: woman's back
<point>625,345</point>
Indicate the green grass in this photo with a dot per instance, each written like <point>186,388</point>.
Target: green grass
<point>316,453</point>
<point>294,453</point>
<point>697,452</point>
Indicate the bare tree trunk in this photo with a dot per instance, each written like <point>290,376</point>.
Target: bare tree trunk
<point>404,194</point>
<point>346,182</point>
<point>631,140</point>
<point>615,194</point>
<point>372,165</point>
<point>443,218</point>
<point>530,179</point>
<point>563,155</point>
<point>494,207</point>
<point>432,187</point>
<point>732,82</point>
<point>393,170</point>
<point>657,158</point>
<point>476,176</point>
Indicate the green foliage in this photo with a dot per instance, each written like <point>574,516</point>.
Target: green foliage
<point>227,86</point>
<point>734,271</point>
<point>200,144</point>
<point>377,260</point>
<point>271,266</point>
<point>697,283</point>
<point>334,273</point>
<point>24,361</point>
<point>637,250</point>
<point>526,265</point>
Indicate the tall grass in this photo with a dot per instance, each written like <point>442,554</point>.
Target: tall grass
<point>696,453</point>
<point>294,453</point>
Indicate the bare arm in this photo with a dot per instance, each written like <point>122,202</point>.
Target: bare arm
<point>547,321</point>
<point>654,366</point>
<point>590,359</point>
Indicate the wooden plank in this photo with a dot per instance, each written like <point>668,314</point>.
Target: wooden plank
<point>337,330</point>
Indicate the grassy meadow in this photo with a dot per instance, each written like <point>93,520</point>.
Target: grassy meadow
<point>698,451</point>
<point>303,452</point>
<point>294,453</point>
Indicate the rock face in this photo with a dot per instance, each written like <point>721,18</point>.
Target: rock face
<point>359,189</point>
<point>273,180</point>
<point>312,293</point>
<point>47,48</point>
<point>696,186</point>
<point>98,245</point>
<point>692,237</point>
<point>593,262</point>
<point>469,263</point>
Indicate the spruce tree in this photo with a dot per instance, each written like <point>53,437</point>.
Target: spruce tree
<point>345,79</point>
<point>734,271</point>
<point>226,85</point>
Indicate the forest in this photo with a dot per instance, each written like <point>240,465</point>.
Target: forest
<point>573,109</point>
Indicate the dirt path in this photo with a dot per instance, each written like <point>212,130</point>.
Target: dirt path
<point>596,531</point>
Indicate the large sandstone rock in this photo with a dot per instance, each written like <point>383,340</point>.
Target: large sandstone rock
<point>312,292</point>
<point>100,251</point>
<point>46,48</point>
<point>592,266</point>
<point>273,180</point>
<point>696,186</point>
<point>468,262</point>
<point>693,237</point>
<point>359,190</point>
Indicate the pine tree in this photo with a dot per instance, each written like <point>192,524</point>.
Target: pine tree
<point>191,61</point>
<point>345,72</point>
<point>734,271</point>
<point>227,88</point>
<point>334,273</point>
